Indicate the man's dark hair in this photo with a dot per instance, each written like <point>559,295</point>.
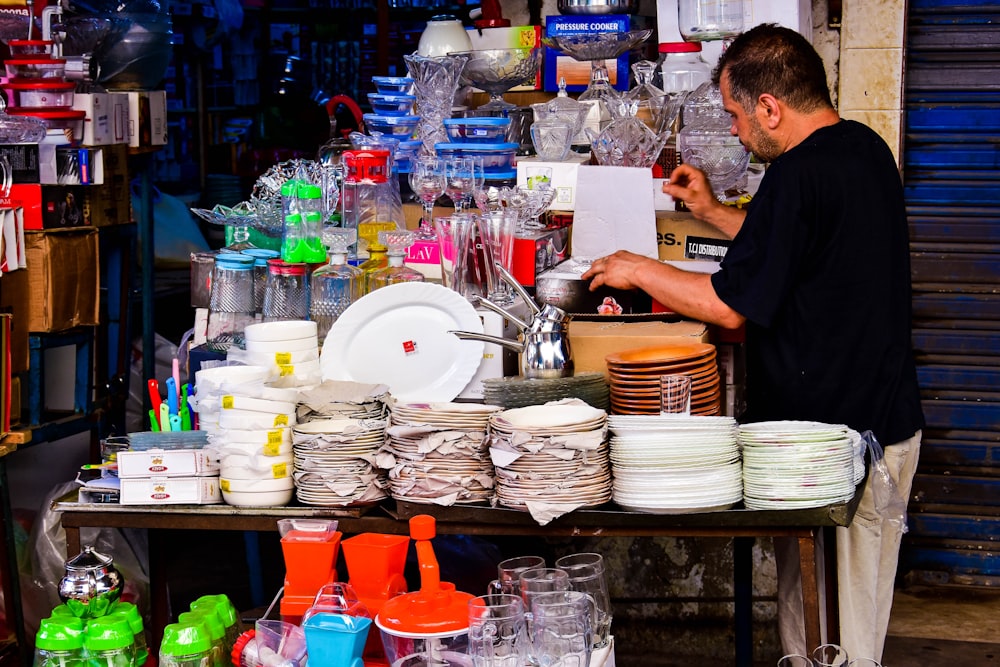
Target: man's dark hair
<point>778,61</point>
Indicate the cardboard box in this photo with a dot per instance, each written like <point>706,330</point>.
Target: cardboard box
<point>560,176</point>
<point>167,463</point>
<point>171,491</point>
<point>51,206</point>
<point>14,300</point>
<point>576,72</point>
<point>63,279</point>
<point>111,203</point>
<point>539,252</point>
<point>147,118</point>
<point>99,124</point>
<point>24,162</point>
<point>518,37</point>
<point>680,237</point>
<point>594,340</point>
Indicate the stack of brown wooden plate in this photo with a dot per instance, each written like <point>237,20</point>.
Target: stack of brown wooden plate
<point>635,378</point>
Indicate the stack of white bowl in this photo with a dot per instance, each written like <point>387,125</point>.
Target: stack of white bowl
<point>289,348</point>
<point>252,436</point>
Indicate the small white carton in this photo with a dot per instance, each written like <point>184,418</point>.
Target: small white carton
<point>170,491</point>
<point>166,463</point>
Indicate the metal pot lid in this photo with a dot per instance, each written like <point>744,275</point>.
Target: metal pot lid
<point>88,559</point>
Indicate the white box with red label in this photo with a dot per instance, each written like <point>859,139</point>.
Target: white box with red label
<point>167,463</point>
<point>170,491</point>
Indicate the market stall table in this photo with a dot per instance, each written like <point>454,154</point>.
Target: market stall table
<point>391,517</point>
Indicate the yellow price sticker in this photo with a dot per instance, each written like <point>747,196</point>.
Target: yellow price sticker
<point>283,358</point>
<point>280,470</point>
<point>274,437</point>
<point>224,485</point>
<point>286,369</point>
<point>281,420</point>
<point>272,449</point>
<point>527,38</point>
<point>227,402</point>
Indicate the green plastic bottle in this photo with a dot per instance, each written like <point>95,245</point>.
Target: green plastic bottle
<point>216,631</point>
<point>185,645</point>
<point>59,642</point>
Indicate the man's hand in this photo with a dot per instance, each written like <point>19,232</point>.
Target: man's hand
<point>691,186</point>
<point>619,270</point>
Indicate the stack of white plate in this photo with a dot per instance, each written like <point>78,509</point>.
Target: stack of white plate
<point>438,453</point>
<point>335,462</point>
<point>290,349</point>
<point>551,456</point>
<point>796,464</point>
<point>251,434</point>
<point>675,464</point>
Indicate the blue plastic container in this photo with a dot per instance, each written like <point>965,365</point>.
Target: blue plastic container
<point>497,158</point>
<point>336,640</point>
<point>392,105</point>
<point>479,130</point>
<point>397,126</point>
<point>393,85</point>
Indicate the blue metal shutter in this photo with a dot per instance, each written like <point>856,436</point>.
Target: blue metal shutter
<point>951,172</point>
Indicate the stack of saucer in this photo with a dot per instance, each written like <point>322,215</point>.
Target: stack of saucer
<point>344,399</point>
<point>289,348</point>
<point>551,459</point>
<point>335,462</point>
<point>438,453</point>
<point>519,392</point>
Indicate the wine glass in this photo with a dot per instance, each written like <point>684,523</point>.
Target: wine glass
<point>427,180</point>
<point>459,181</point>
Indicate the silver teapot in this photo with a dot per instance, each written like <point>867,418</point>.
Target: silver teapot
<point>544,342</point>
<point>91,584</point>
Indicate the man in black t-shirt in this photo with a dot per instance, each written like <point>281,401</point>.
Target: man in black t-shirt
<point>819,273</point>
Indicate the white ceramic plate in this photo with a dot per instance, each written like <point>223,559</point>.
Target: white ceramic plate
<point>398,335</point>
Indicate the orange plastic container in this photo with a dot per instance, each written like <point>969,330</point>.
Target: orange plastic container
<point>375,564</point>
<point>309,562</point>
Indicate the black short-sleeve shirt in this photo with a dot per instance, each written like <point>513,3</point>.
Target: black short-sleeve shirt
<point>821,271</point>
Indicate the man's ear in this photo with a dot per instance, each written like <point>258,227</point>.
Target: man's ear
<point>768,111</point>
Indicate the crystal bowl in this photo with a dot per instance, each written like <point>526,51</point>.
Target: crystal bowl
<point>498,70</point>
<point>597,46</point>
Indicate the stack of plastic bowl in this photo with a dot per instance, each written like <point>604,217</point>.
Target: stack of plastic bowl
<point>481,137</point>
<point>251,433</point>
<point>392,106</point>
<point>36,86</point>
<point>290,349</point>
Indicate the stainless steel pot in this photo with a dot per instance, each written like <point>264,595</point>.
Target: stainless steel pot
<point>544,342</point>
<point>598,6</point>
<point>91,584</point>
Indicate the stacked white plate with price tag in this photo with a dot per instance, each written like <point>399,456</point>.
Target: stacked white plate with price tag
<point>335,462</point>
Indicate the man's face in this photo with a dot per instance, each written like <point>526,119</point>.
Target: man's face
<point>747,126</point>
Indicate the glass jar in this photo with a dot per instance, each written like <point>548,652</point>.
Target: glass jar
<point>130,613</point>
<point>230,307</point>
<point>705,20</point>
<point>705,141</point>
<point>261,256</point>
<point>221,604</point>
<point>216,632</point>
<point>185,645</point>
<point>59,642</point>
<point>286,293</point>
<point>681,67</point>
<point>109,642</point>
<point>336,285</point>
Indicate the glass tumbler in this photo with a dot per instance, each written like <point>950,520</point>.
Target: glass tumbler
<point>230,307</point>
<point>830,655</point>
<point>675,394</point>
<point>498,635</point>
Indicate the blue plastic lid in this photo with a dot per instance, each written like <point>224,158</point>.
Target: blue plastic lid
<point>390,120</point>
<point>379,97</point>
<point>451,146</point>
<point>410,145</point>
<point>234,261</point>
<point>392,80</point>
<point>481,120</point>
<point>260,255</point>
<point>501,175</point>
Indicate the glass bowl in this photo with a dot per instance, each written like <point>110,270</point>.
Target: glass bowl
<point>391,105</point>
<point>478,130</point>
<point>393,85</point>
<point>397,126</point>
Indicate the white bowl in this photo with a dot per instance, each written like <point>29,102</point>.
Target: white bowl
<point>253,467</point>
<point>255,485</point>
<point>253,420</point>
<point>257,437</point>
<point>303,369</point>
<point>290,345</point>
<point>258,498</point>
<point>280,331</point>
<point>228,448</point>
<point>282,358</point>
<point>211,379</point>
<point>236,402</point>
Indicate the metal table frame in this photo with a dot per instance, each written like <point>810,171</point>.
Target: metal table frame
<point>741,525</point>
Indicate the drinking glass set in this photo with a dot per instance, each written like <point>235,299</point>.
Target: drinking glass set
<point>826,655</point>
<point>541,616</point>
